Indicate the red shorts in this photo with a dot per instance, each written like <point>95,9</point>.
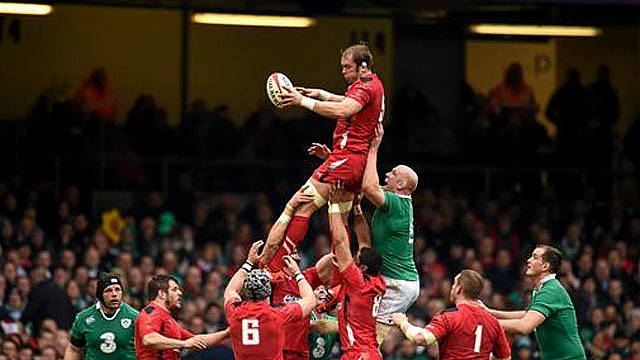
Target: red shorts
<point>345,167</point>
<point>372,354</point>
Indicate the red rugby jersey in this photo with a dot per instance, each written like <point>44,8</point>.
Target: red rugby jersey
<point>355,133</point>
<point>155,319</point>
<point>285,290</point>
<point>359,300</point>
<point>469,332</point>
<point>256,327</point>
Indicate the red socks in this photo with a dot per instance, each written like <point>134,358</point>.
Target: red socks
<point>294,235</point>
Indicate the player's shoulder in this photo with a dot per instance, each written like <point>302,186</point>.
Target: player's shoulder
<point>129,310</point>
<point>151,310</point>
<point>90,310</point>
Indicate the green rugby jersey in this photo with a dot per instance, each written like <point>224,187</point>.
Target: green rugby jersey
<point>392,236</point>
<point>557,335</point>
<point>320,345</point>
<point>105,338</point>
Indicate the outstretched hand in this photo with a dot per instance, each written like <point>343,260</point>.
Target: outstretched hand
<point>300,197</point>
<point>321,151</point>
<point>290,266</point>
<point>337,192</point>
<point>398,318</point>
<point>377,138</point>
<point>312,93</point>
<point>290,97</point>
<point>252,257</point>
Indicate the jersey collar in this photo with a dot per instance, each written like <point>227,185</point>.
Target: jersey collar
<point>545,279</point>
<point>105,315</point>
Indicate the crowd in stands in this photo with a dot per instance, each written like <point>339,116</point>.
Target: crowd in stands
<point>53,251</point>
<point>54,244</point>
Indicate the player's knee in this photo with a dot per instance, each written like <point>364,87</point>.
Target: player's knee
<point>318,200</point>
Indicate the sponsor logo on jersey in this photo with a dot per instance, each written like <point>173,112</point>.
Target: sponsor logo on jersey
<point>90,320</point>
<point>125,323</point>
<point>290,298</point>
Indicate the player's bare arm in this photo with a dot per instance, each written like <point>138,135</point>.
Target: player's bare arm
<point>503,315</point>
<point>216,337</point>
<point>360,224</point>
<point>319,94</point>
<point>525,325</point>
<point>370,181</point>
<point>232,292</point>
<point>73,353</point>
<point>159,342</point>
<point>337,228</point>
<point>416,335</point>
<point>278,229</point>
<point>324,266</point>
<point>331,109</point>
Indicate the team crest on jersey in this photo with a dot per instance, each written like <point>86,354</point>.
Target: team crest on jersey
<point>125,323</point>
<point>290,299</point>
<point>90,320</point>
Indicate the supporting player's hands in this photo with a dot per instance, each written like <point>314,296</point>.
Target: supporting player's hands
<point>337,192</point>
<point>321,151</point>
<point>357,199</point>
<point>377,138</point>
<point>253,257</point>
<point>290,97</point>
<point>300,197</point>
<point>290,266</point>
<point>197,342</point>
<point>399,318</point>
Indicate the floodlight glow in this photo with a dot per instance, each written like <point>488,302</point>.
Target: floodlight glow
<point>253,20</point>
<point>535,30</point>
<point>25,9</point>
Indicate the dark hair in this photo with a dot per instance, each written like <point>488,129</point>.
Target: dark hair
<point>359,53</point>
<point>372,260</point>
<point>159,283</point>
<point>552,256</point>
<point>471,283</point>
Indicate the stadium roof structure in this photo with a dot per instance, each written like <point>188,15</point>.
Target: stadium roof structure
<point>569,12</point>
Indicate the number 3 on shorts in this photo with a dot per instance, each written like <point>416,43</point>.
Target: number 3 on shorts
<point>250,332</point>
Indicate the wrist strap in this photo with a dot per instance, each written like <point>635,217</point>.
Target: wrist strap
<point>247,266</point>
<point>299,276</point>
<point>307,103</point>
<point>334,208</point>
<point>324,95</point>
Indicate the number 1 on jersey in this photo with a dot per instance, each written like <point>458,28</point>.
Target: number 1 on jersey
<point>250,332</point>
<point>476,345</point>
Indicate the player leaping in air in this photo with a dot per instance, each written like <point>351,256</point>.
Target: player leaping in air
<point>357,113</point>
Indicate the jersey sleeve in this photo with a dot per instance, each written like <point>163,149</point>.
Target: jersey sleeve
<point>291,312</point>
<point>185,334</point>
<point>352,276</point>
<point>361,93</point>
<point>439,327</point>
<point>151,322</point>
<point>77,334</point>
<point>390,202</point>
<point>230,306</point>
<point>311,274</point>
<point>501,348</point>
<point>543,302</point>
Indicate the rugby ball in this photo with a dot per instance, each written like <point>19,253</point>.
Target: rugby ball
<point>275,82</point>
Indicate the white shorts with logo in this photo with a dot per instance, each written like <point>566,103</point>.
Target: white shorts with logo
<point>400,295</point>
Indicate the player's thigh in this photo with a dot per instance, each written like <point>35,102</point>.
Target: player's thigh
<point>400,295</point>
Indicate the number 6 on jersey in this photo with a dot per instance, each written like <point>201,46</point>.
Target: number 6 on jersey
<point>250,332</point>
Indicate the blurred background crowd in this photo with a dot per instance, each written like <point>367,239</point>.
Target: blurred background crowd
<point>55,244</point>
